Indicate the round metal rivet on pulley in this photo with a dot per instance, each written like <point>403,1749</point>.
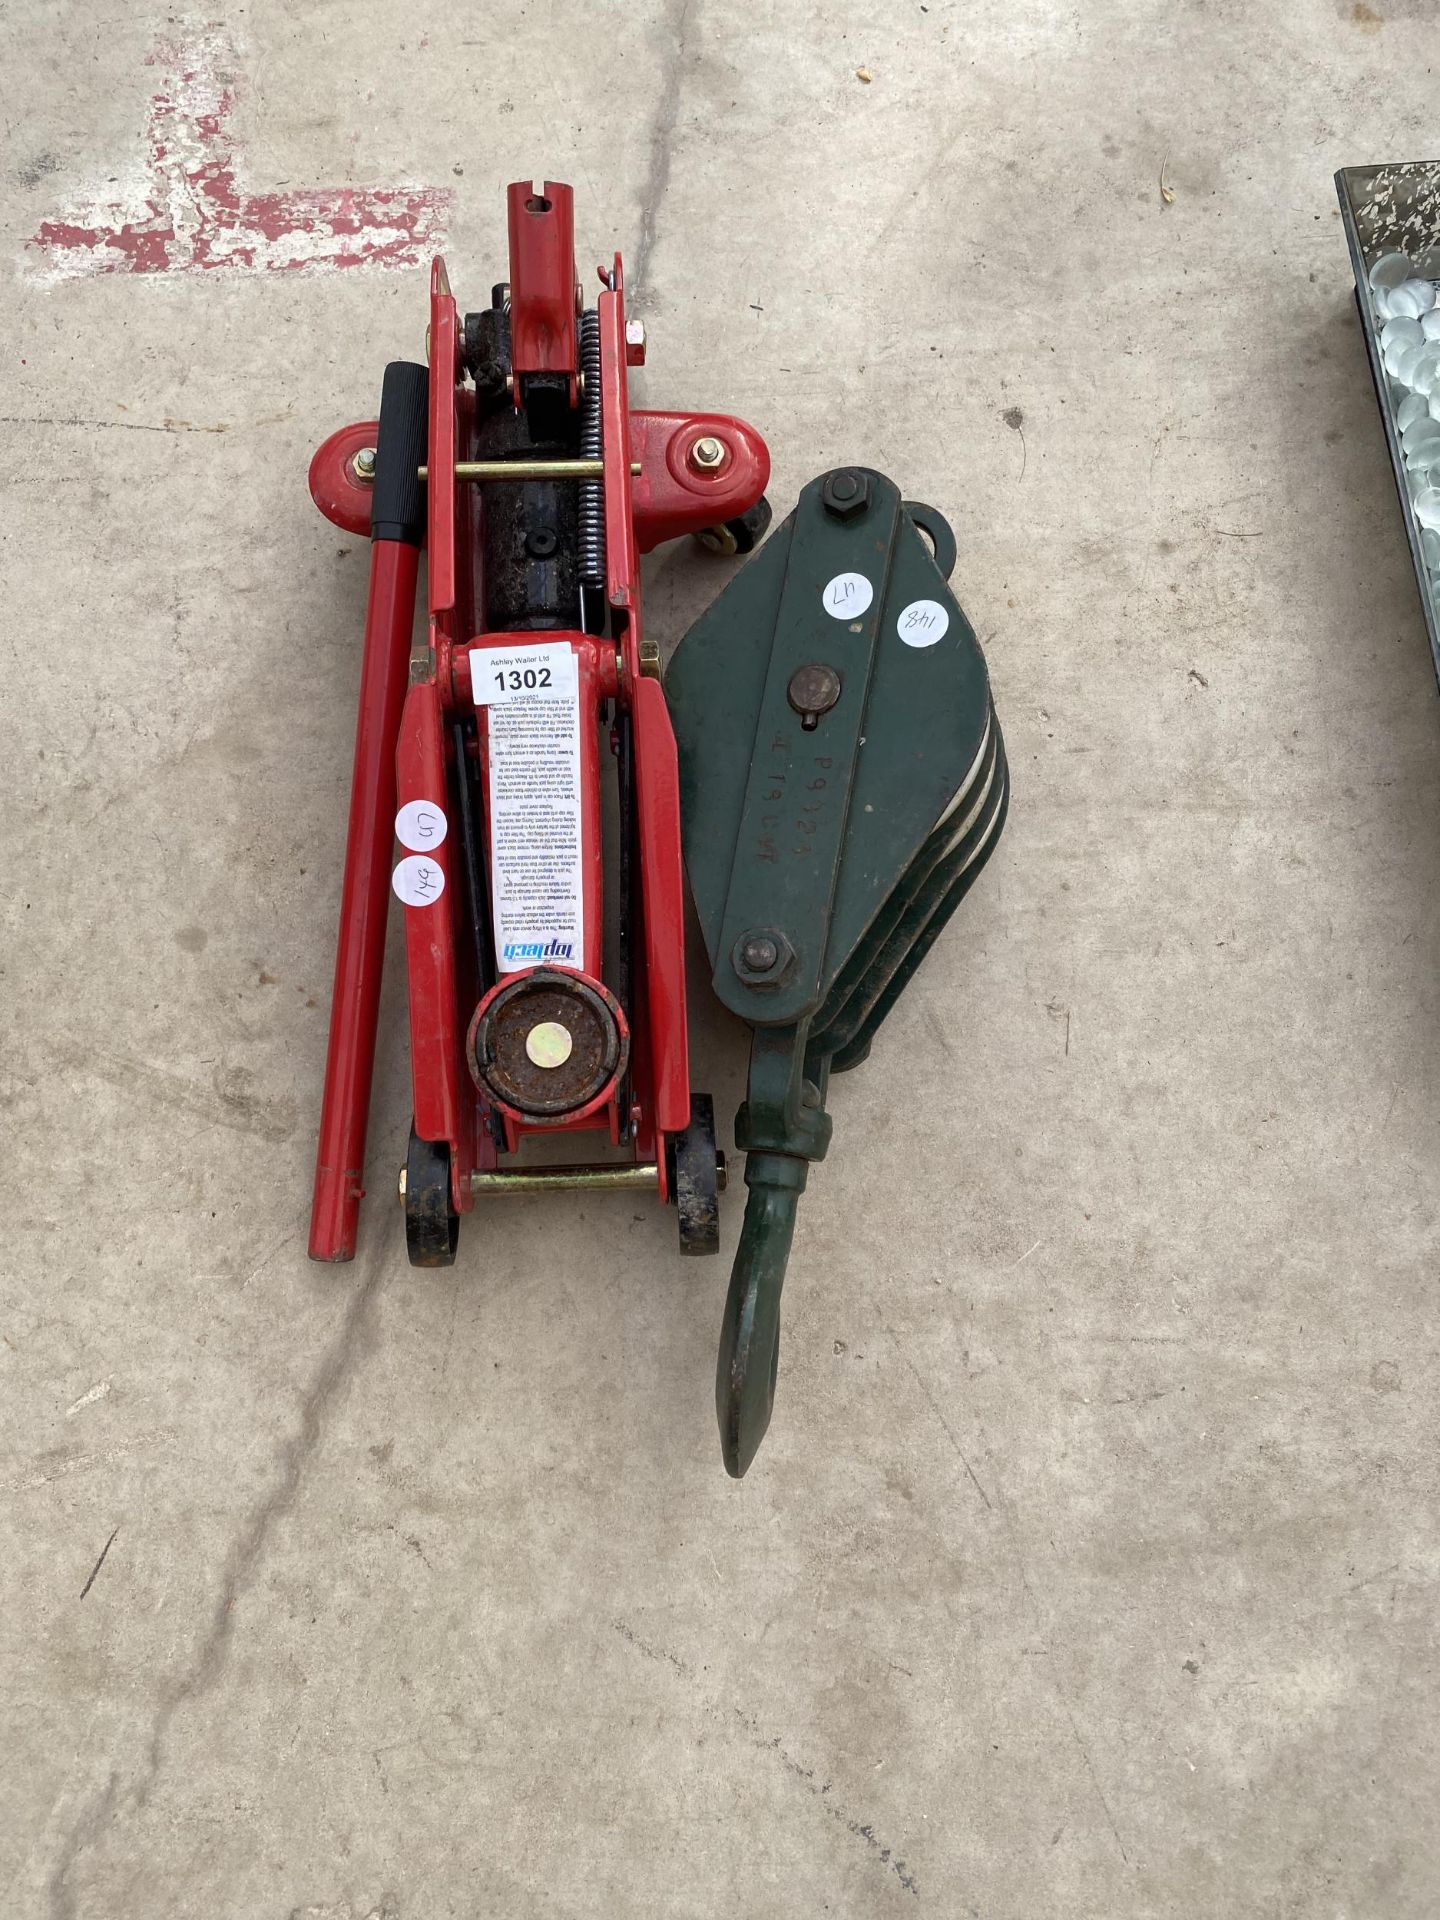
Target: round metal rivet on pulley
<point>813,690</point>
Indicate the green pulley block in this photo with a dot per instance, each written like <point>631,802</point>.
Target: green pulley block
<point>842,783</point>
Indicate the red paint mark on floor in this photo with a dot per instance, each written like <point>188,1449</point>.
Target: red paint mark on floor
<point>187,210</point>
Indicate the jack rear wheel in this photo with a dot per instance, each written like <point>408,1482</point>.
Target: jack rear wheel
<point>696,1176</point>
<point>741,535</point>
<point>432,1227</point>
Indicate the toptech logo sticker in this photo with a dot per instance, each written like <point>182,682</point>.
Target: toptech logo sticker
<point>538,950</point>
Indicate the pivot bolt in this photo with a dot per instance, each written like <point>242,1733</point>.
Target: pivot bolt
<point>845,493</point>
<point>363,465</point>
<point>762,956</point>
<point>707,453</point>
<point>634,343</point>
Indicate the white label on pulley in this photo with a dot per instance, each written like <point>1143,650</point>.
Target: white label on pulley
<point>499,675</point>
<point>532,753</point>
<point>922,623</point>
<point>418,880</point>
<point>420,825</point>
<point>847,596</point>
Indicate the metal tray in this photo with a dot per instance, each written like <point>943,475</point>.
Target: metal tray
<point>1395,208</point>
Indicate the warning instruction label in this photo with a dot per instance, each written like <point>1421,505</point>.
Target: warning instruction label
<point>533,718</point>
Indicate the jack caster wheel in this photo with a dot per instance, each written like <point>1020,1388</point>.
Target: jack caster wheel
<point>739,536</point>
<point>432,1227</point>
<point>697,1174</point>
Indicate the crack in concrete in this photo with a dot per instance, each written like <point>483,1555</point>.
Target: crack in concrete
<point>679,18</point>
<point>820,1790</point>
<point>83,1834</point>
<point>242,1563</point>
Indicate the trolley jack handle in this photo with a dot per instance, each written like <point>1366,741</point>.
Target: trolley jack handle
<point>397,529</point>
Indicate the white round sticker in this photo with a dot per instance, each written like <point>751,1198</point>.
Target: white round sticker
<point>922,623</point>
<point>420,825</point>
<point>418,880</point>
<point>847,596</point>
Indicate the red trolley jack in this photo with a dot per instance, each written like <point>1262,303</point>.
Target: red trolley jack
<point>544,928</point>
<point>826,739</point>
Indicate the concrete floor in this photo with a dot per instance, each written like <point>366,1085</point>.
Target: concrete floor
<point>1089,1568</point>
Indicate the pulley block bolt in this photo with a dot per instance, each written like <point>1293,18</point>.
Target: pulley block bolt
<point>845,493</point>
<point>707,453</point>
<point>762,957</point>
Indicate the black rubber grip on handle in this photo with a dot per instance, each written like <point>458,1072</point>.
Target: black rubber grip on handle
<point>397,503</point>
